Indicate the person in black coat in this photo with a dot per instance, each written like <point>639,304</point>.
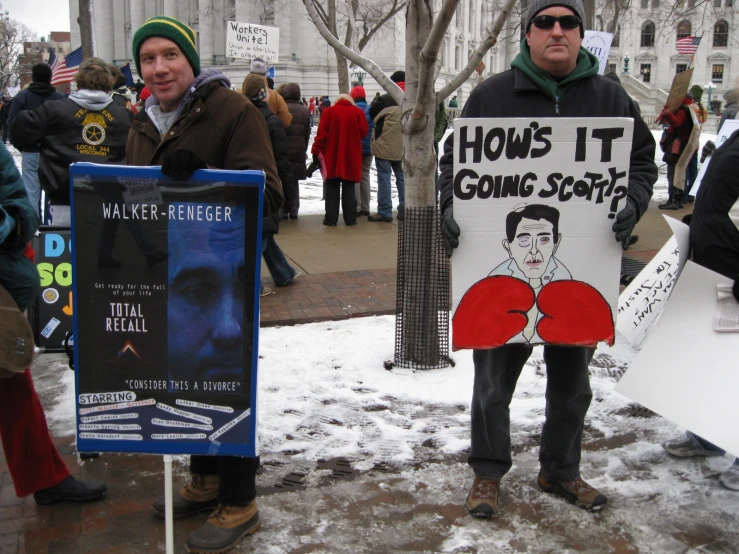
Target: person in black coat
<point>4,113</point>
<point>714,241</point>
<point>298,135</point>
<point>38,92</point>
<point>282,272</point>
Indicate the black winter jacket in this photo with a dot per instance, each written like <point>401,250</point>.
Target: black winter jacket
<point>69,133</point>
<point>30,99</point>
<point>513,94</point>
<point>284,168</point>
<point>298,133</point>
<point>713,235</point>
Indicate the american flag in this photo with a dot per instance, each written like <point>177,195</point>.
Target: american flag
<point>688,45</point>
<point>64,69</point>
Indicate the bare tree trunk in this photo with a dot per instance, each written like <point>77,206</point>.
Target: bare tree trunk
<point>85,22</point>
<point>589,6</point>
<point>341,66</point>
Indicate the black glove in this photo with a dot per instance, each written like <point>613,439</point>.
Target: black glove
<point>735,290</point>
<point>449,231</point>
<point>625,223</point>
<point>315,164</point>
<point>708,149</point>
<point>181,164</point>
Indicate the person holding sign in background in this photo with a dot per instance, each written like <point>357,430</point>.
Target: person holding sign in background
<point>193,120</point>
<point>552,76</point>
<point>674,141</point>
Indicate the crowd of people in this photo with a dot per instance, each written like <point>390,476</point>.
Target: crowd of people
<point>188,118</point>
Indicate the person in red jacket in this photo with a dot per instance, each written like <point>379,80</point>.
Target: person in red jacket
<point>339,140</point>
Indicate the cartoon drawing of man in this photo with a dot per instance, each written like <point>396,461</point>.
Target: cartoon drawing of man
<point>532,239</point>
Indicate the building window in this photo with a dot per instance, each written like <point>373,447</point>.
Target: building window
<point>683,29</point>
<point>680,5</point>
<point>716,3</point>
<point>647,35</point>
<point>644,4</point>
<point>616,42</point>
<point>471,15</point>
<point>483,21</point>
<point>679,68</point>
<point>612,68</point>
<point>646,72</point>
<point>691,4</point>
<point>655,4</point>
<point>721,34</point>
<point>458,15</point>
<point>457,57</point>
<point>444,46</point>
<point>717,73</point>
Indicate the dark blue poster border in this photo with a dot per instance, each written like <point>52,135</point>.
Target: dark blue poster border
<point>169,404</point>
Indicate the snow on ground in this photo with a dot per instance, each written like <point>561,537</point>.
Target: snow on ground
<point>323,393</point>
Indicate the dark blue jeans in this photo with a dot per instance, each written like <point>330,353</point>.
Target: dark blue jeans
<point>568,398</point>
<point>691,174</point>
<point>277,264</point>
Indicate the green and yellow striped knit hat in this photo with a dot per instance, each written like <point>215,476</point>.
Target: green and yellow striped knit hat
<point>172,29</point>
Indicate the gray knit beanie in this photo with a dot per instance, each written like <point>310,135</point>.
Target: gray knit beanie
<point>258,66</point>
<point>538,5</point>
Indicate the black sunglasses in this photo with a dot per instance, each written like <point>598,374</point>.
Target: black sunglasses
<point>546,22</point>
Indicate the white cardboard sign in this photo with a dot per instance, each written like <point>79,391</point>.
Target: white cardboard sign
<point>727,129</point>
<point>246,40</point>
<point>642,302</point>
<point>599,44</point>
<point>535,199</point>
<point>686,371</point>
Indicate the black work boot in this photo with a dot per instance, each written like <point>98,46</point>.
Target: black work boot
<point>72,490</point>
<point>200,494</point>
<point>224,529</point>
<point>671,204</point>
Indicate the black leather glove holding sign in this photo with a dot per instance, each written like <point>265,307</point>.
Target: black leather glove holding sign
<point>181,164</point>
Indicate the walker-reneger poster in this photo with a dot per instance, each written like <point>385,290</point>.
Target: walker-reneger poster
<point>166,278</point>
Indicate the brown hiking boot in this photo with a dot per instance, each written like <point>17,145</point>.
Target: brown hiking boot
<point>576,491</point>
<point>224,529</point>
<point>200,494</point>
<point>482,501</point>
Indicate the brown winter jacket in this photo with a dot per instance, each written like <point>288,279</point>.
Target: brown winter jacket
<point>223,128</point>
<point>275,102</point>
<point>387,138</point>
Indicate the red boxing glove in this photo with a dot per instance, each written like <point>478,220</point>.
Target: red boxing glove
<point>574,314</point>
<point>29,252</point>
<point>491,312</point>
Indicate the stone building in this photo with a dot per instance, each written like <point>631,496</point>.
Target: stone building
<point>39,52</point>
<point>646,34</point>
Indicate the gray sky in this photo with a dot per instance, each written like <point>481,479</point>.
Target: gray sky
<point>42,16</point>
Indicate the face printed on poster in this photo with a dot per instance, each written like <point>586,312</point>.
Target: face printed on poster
<point>535,201</point>
<point>167,275</point>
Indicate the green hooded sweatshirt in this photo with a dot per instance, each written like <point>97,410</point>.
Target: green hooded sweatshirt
<point>587,66</point>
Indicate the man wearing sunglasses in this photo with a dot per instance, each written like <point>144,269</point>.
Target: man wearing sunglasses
<point>551,77</point>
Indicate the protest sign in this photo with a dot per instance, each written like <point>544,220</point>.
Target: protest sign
<point>166,304</point>
<point>535,200</point>
<point>727,129</point>
<point>246,40</point>
<point>599,44</point>
<point>52,312</point>
<point>686,371</point>
<point>679,89</point>
<point>642,301</point>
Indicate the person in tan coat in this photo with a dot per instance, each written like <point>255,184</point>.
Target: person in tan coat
<point>193,120</point>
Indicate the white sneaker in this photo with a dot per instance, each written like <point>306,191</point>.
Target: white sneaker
<point>298,273</point>
<point>730,478</point>
<point>265,291</point>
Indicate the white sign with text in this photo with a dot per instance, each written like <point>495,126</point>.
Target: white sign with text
<point>535,200</point>
<point>249,41</point>
<point>599,44</point>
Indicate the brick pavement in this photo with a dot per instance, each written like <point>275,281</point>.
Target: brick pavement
<point>330,296</point>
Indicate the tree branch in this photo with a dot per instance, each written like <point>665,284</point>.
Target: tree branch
<point>372,31</point>
<point>351,28</point>
<point>368,65</point>
<point>486,45</point>
<point>321,12</point>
